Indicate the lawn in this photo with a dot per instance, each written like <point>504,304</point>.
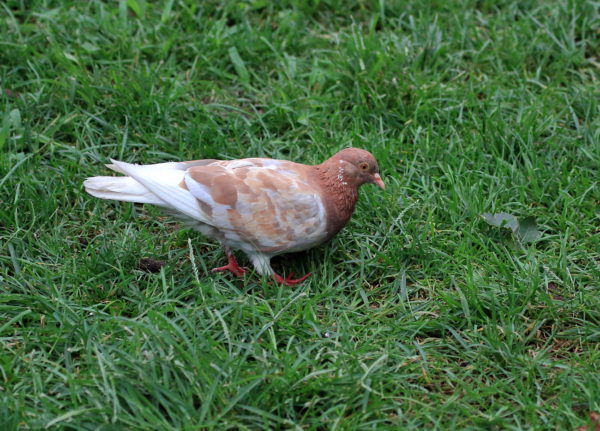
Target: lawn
<point>419,314</point>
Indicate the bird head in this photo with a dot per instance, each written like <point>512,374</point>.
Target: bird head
<point>357,166</point>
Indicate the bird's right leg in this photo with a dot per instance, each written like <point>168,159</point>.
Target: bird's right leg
<point>289,281</point>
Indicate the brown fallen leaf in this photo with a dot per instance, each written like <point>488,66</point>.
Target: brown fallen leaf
<point>150,265</point>
<point>554,292</point>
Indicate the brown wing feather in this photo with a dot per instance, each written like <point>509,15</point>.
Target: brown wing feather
<point>274,208</point>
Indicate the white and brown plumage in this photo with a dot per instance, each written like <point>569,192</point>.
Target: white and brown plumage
<point>261,206</point>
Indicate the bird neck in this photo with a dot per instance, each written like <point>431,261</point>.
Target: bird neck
<point>340,194</point>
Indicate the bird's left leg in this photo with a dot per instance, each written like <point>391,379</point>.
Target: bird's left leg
<point>232,265</point>
<point>263,267</point>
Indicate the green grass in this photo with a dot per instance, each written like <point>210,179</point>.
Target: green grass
<point>419,314</point>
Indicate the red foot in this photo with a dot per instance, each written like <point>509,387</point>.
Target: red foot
<point>232,267</point>
<point>287,281</point>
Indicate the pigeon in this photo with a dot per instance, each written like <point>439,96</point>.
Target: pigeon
<point>264,207</point>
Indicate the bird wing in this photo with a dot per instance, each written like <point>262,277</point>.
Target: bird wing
<point>259,204</point>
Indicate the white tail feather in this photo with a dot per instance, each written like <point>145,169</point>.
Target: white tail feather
<point>163,181</point>
<point>121,189</point>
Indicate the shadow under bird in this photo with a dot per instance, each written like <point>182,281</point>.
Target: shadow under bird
<point>261,206</point>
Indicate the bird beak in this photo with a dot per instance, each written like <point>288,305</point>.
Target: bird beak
<point>378,181</point>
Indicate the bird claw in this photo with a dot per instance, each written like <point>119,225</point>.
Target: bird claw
<point>237,271</point>
<point>288,281</point>
<point>232,267</point>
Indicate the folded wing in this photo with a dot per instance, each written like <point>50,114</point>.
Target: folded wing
<point>262,202</point>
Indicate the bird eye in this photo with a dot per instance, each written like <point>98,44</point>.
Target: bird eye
<point>364,166</point>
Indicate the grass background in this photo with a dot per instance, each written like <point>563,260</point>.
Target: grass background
<point>419,315</point>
